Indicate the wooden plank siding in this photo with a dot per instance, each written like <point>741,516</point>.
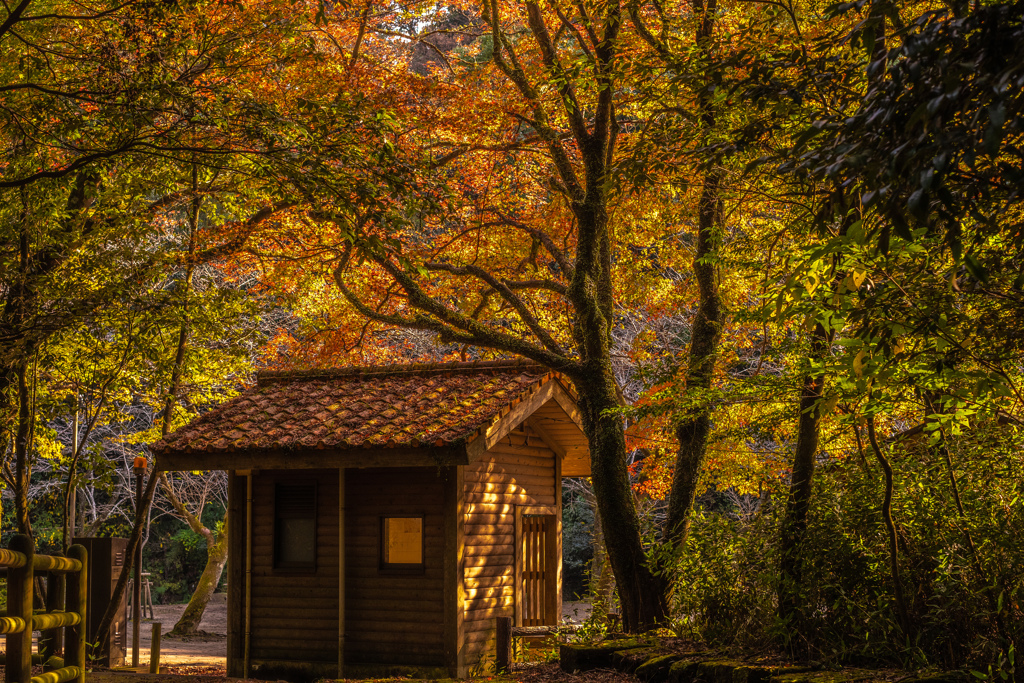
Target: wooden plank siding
<point>295,614</point>
<point>520,470</point>
<point>393,617</point>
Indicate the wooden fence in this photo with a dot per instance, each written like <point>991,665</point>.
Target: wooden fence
<point>19,622</point>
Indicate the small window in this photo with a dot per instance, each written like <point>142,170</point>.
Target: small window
<point>401,544</point>
<point>295,526</point>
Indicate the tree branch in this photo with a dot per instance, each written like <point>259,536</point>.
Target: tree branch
<point>506,293</point>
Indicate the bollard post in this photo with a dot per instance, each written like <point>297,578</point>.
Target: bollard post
<point>19,604</point>
<point>77,601</point>
<point>154,649</point>
<point>503,645</point>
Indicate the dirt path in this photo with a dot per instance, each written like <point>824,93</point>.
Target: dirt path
<point>201,652</point>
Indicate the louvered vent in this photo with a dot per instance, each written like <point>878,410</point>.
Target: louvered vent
<point>295,500</point>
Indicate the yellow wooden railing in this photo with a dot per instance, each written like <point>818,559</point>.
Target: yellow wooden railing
<point>18,624</point>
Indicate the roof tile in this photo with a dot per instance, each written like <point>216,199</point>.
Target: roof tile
<point>396,406</point>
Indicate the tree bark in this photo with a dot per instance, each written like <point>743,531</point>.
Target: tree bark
<point>216,558</point>
<point>692,432</point>
<point>794,524</point>
<point>22,447</point>
<point>602,582</point>
<point>641,592</point>
<point>142,511</point>
<point>890,526</point>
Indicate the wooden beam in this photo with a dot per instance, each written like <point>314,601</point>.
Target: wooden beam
<point>328,458</point>
<point>236,573</point>
<point>453,519</point>
<point>535,424</point>
<point>568,404</point>
<point>517,572</point>
<point>558,542</point>
<point>341,572</point>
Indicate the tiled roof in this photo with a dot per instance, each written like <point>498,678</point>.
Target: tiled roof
<point>372,407</point>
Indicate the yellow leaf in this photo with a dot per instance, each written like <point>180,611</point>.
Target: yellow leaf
<point>859,362</point>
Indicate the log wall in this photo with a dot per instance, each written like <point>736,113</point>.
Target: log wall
<point>295,613</point>
<point>518,471</point>
<point>393,617</point>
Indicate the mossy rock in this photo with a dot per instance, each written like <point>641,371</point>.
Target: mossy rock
<point>656,669</point>
<point>719,671</point>
<point>628,661</point>
<point>840,676</point>
<point>585,657</point>
<point>762,674</point>
<point>683,671</point>
<point>942,677</point>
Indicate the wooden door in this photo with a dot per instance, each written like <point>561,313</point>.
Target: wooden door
<point>539,571</point>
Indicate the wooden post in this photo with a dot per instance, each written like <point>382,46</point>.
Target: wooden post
<point>503,645</point>
<point>517,571</point>
<point>51,643</point>
<point>557,577</point>
<point>236,572</point>
<point>454,592</point>
<point>19,604</point>
<point>341,572</point>
<point>154,649</point>
<point>77,601</point>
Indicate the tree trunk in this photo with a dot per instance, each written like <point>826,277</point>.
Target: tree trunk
<point>22,448</point>
<point>692,433</point>
<point>602,582</point>
<point>216,558</point>
<point>641,592</point>
<point>142,511</point>
<point>890,526</point>
<point>794,525</point>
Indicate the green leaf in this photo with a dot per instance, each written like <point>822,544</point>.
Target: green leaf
<point>974,267</point>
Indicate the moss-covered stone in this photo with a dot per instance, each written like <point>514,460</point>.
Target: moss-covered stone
<point>585,657</point>
<point>839,676</point>
<point>683,671</point>
<point>656,669</point>
<point>720,671</point>
<point>942,677</point>
<point>756,673</point>
<point>628,661</point>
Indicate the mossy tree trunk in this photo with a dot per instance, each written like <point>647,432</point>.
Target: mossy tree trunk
<point>641,592</point>
<point>216,558</point>
<point>794,524</point>
<point>693,429</point>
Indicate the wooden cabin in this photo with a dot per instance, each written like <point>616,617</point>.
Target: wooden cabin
<point>388,515</point>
